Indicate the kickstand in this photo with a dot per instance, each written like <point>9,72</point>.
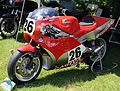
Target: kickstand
<point>97,60</point>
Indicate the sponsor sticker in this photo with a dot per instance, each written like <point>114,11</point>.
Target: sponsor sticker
<point>7,84</point>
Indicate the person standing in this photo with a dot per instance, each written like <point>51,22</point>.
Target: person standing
<point>69,4</point>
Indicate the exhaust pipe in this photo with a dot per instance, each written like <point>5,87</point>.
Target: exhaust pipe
<point>98,49</point>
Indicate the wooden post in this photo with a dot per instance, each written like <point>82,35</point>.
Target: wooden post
<point>39,3</point>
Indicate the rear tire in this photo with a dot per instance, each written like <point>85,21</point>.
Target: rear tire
<point>102,52</point>
<point>19,70</point>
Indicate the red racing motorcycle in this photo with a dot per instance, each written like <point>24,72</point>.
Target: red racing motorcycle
<point>58,42</point>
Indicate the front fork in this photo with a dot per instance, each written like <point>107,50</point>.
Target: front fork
<point>34,55</point>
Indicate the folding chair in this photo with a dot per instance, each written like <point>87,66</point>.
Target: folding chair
<point>97,12</point>
<point>115,30</point>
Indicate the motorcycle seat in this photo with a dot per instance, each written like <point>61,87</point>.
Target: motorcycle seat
<point>87,20</point>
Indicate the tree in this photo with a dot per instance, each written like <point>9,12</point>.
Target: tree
<point>116,9</point>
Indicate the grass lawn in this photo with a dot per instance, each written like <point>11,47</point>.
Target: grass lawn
<point>68,79</point>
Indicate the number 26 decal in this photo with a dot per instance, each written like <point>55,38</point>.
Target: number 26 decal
<point>75,53</point>
<point>29,26</point>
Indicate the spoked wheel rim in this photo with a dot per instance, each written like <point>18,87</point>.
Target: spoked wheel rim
<point>100,42</point>
<point>22,70</point>
<point>8,27</point>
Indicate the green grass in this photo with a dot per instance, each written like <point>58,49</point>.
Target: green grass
<point>68,79</point>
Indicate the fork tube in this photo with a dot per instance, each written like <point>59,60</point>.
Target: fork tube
<point>34,55</point>
<point>36,51</point>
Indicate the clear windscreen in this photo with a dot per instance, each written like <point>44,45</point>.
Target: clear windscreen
<point>42,13</point>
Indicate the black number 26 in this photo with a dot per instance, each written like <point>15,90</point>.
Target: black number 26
<point>28,27</point>
<point>75,53</point>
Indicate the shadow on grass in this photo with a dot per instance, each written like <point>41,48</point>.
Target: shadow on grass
<point>62,78</point>
<point>113,56</point>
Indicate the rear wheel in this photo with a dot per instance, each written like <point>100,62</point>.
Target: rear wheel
<point>8,27</point>
<point>100,54</point>
<point>19,69</point>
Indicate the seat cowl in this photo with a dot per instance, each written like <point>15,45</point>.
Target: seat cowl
<point>84,30</point>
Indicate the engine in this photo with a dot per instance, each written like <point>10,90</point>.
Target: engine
<point>53,32</point>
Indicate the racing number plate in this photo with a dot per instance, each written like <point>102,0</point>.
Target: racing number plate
<point>29,26</point>
<point>75,53</point>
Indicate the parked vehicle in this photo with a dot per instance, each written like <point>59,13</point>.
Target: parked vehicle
<point>9,24</point>
<point>10,20</point>
<point>6,10</point>
<point>2,8</point>
<point>58,42</point>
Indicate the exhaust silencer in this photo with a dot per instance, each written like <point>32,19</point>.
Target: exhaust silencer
<point>98,49</point>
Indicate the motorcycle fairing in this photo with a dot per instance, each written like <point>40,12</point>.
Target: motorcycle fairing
<point>84,30</point>
<point>61,44</point>
<point>96,32</point>
<point>75,53</point>
<point>65,60</point>
<point>26,47</point>
<point>58,50</point>
<point>100,26</point>
<point>110,24</point>
<point>58,46</point>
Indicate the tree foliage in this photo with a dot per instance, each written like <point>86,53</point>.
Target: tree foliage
<point>107,4</point>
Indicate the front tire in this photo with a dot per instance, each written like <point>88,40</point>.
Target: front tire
<point>19,70</point>
<point>101,53</point>
<point>8,27</point>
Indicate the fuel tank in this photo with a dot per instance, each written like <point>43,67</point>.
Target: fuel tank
<point>69,24</point>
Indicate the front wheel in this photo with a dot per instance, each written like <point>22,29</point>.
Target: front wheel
<point>19,69</point>
<point>102,45</point>
<point>8,27</point>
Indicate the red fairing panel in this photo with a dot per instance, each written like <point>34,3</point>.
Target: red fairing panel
<point>99,21</point>
<point>57,46</point>
<point>84,30</point>
<point>26,47</point>
<point>68,24</point>
<point>38,25</point>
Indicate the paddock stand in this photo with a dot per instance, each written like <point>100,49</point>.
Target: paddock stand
<point>97,60</point>
<point>101,66</point>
